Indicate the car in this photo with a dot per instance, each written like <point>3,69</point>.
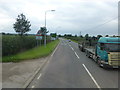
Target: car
<point>69,40</point>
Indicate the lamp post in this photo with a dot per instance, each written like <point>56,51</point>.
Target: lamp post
<point>45,26</point>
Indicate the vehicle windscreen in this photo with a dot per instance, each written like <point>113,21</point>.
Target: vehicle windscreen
<point>112,47</point>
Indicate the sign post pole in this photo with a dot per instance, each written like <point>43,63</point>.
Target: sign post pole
<point>39,37</point>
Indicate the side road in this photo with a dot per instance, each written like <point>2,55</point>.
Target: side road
<point>18,75</point>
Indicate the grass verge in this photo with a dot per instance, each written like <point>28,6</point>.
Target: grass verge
<point>74,41</point>
<point>32,53</point>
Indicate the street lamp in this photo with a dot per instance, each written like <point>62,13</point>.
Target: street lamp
<point>45,26</point>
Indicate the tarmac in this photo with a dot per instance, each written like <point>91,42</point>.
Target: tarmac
<point>19,75</point>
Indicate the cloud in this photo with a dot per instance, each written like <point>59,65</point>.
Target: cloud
<point>72,16</point>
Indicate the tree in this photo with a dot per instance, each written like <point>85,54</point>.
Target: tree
<point>3,33</point>
<point>44,30</point>
<point>53,35</point>
<point>98,36</point>
<point>22,25</point>
<point>59,35</point>
<point>94,38</point>
<point>75,35</point>
<point>87,36</point>
<point>106,35</point>
<point>81,36</point>
<point>65,35</point>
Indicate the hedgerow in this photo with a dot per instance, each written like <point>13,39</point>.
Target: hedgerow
<point>12,44</point>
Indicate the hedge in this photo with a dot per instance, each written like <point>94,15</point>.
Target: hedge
<point>12,44</point>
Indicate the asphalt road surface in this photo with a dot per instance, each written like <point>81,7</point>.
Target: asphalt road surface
<point>68,67</point>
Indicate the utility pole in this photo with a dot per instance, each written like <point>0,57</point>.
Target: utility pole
<point>80,33</point>
<point>45,27</point>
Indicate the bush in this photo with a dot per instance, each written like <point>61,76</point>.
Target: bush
<point>33,53</point>
<point>12,44</point>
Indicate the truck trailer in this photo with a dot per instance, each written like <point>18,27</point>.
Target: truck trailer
<point>106,52</point>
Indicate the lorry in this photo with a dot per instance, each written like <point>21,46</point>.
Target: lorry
<point>106,52</point>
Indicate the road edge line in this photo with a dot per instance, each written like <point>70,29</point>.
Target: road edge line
<point>91,77</point>
<point>39,76</point>
<point>27,83</point>
<point>55,50</point>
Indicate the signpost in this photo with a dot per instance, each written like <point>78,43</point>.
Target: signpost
<point>39,36</point>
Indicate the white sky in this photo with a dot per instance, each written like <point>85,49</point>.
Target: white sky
<point>71,16</point>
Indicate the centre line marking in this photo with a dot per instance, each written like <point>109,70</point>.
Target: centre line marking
<point>32,86</point>
<point>76,55</point>
<point>91,77</point>
<point>39,76</point>
<point>36,72</point>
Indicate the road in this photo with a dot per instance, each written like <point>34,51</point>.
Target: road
<point>68,67</point>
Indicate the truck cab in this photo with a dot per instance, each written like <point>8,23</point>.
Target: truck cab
<point>108,51</point>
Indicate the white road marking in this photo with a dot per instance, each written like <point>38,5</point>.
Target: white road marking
<point>72,48</point>
<point>54,50</point>
<point>32,86</point>
<point>39,76</point>
<point>77,55</point>
<point>36,72</point>
<point>91,77</point>
<point>74,51</point>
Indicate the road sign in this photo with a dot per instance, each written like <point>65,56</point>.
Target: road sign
<point>39,37</point>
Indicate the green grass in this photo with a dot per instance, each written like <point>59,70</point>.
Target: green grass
<point>12,44</point>
<point>74,41</point>
<point>37,52</point>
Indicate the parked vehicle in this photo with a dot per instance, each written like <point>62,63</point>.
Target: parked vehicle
<point>106,52</point>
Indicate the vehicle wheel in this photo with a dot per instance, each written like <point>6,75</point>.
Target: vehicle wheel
<point>96,59</point>
<point>82,49</point>
<point>104,66</point>
<point>101,65</point>
<point>87,54</point>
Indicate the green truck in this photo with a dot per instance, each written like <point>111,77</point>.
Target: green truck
<point>106,52</point>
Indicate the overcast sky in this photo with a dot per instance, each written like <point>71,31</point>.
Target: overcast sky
<point>71,16</point>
